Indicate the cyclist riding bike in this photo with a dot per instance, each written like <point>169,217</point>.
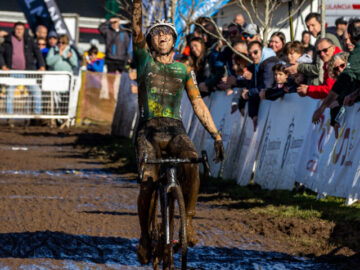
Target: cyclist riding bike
<point>161,84</point>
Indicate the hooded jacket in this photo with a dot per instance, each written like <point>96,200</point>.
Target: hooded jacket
<point>263,78</point>
<point>117,43</point>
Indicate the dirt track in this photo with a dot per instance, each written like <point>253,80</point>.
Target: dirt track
<point>63,209</point>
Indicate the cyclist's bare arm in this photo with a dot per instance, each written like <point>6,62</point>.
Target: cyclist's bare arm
<point>138,35</point>
<point>200,108</point>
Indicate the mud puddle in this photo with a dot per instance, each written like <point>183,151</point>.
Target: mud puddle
<point>60,250</point>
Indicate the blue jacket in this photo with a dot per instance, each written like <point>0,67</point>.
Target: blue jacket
<point>263,78</point>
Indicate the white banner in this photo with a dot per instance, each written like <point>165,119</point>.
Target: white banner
<point>331,166</point>
<point>284,135</point>
<point>249,142</point>
<point>220,108</point>
<point>187,112</point>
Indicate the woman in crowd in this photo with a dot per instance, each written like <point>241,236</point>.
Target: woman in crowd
<point>199,62</point>
<point>62,57</point>
<point>336,66</point>
<point>277,43</point>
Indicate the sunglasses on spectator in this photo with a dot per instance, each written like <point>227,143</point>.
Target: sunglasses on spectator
<point>254,52</point>
<point>163,29</point>
<point>337,69</point>
<point>41,44</point>
<point>248,35</point>
<point>62,42</point>
<point>323,50</point>
<point>113,22</point>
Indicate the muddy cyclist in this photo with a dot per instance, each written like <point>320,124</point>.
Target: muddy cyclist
<point>162,82</point>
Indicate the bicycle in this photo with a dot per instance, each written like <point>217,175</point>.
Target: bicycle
<point>165,242</point>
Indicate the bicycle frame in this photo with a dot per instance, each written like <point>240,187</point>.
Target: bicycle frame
<point>168,186</point>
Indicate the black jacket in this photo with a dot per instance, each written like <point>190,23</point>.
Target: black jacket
<point>31,51</point>
<point>263,79</point>
<point>278,92</point>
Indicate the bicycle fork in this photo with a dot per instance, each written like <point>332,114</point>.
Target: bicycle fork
<point>171,182</point>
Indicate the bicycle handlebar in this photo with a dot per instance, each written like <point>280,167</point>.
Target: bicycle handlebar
<point>204,160</point>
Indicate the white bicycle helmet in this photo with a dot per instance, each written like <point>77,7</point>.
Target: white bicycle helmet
<point>160,23</point>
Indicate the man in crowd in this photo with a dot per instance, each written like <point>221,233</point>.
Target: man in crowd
<point>313,23</point>
<point>349,46</point>
<point>345,89</point>
<point>261,76</point>
<point>325,49</point>
<point>118,45</point>
<point>341,26</point>
<point>240,20</point>
<point>251,33</point>
<point>21,53</point>
<point>41,32</point>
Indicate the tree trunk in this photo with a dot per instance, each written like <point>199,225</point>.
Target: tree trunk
<point>323,18</point>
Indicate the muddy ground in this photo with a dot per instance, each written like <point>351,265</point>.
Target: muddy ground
<point>64,207</point>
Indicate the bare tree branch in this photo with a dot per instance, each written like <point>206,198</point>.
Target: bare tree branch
<point>243,7</point>
<point>221,37</point>
<point>292,13</point>
<point>261,21</point>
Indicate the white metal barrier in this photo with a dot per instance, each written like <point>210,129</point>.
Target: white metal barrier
<point>37,94</point>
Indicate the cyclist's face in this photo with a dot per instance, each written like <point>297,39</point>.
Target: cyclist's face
<point>162,39</point>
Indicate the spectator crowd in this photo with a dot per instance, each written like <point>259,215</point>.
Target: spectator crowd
<point>253,69</point>
<point>243,64</point>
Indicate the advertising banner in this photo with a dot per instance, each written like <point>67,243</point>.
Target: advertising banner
<point>328,165</point>
<point>97,97</point>
<point>220,108</point>
<point>287,126</point>
<point>47,13</point>
<point>249,142</point>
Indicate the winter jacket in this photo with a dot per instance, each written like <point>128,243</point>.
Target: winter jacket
<point>96,66</point>
<point>212,70</point>
<point>321,91</point>
<point>312,70</point>
<point>58,62</point>
<point>31,51</point>
<point>263,78</point>
<point>117,43</point>
<point>278,91</point>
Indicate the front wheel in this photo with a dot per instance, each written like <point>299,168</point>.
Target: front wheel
<point>175,237</point>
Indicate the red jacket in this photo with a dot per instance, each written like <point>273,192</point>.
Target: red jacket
<point>321,91</point>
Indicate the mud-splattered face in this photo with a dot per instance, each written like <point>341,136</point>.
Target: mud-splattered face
<point>162,39</point>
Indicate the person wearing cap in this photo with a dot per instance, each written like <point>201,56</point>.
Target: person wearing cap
<point>162,82</point>
<point>52,39</point>
<point>117,43</point>
<point>251,33</point>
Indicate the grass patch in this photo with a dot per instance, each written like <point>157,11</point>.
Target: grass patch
<point>282,203</point>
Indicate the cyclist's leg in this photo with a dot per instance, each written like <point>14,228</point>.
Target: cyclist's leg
<point>181,146</point>
<point>146,196</point>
